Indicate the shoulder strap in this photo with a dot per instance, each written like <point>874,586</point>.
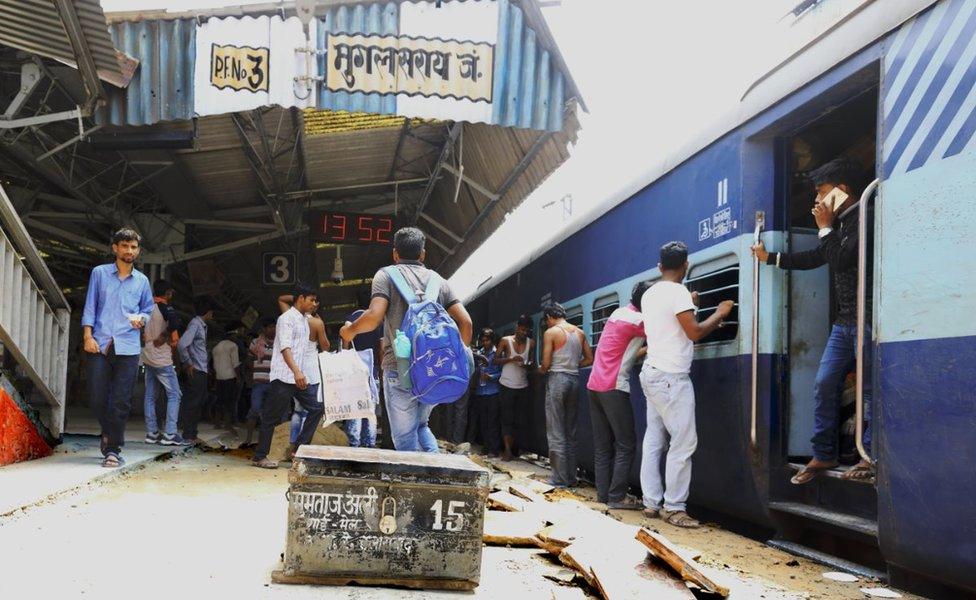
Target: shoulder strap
<point>401,284</point>
<point>433,291</point>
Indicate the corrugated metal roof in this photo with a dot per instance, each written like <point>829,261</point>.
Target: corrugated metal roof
<point>35,26</point>
<point>162,87</point>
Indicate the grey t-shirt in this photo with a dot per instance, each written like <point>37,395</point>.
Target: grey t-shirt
<point>417,275</point>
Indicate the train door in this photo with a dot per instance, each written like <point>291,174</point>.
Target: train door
<point>819,513</point>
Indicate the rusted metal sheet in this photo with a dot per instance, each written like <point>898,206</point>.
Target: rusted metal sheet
<point>378,516</point>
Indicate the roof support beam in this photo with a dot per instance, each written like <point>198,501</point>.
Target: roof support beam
<point>484,191</point>
<point>506,185</point>
<point>177,257</point>
<point>258,167</point>
<point>83,55</point>
<point>452,135</point>
<point>441,228</point>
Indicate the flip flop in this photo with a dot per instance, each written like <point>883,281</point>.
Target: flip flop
<point>859,472</point>
<point>808,474</point>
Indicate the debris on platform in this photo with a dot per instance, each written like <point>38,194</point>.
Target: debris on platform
<point>842,577</point>
<point>662,549</point>
<point>642,563</point>
<point>880,592</point>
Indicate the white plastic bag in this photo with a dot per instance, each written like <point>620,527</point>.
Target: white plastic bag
<point>345,391</point>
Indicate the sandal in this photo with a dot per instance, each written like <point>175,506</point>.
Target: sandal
<point>651,513</point>
<point>808,474</point>
<point>679,518</point>
<point>112,461</point>
<point>862,471</point>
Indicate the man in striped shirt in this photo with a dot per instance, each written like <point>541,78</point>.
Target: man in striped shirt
<point>614,439</point>
<point>259,356</point>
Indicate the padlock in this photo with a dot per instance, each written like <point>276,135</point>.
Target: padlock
<point>388,522</point>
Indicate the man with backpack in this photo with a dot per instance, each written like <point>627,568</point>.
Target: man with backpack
<point>414,301</point>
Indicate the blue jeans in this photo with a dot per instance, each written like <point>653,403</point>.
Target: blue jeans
<point>837,361</point>
<point>361,432</point>
<point>258,391</point>
<point>300,414</point>
<point>110,381</point>
<point>164,377</point>
<point>408,417</point>
<point>562,400</point>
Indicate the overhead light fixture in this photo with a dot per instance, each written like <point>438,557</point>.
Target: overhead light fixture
<point>337,275</point>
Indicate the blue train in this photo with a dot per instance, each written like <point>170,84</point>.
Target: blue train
<point>887,83</point>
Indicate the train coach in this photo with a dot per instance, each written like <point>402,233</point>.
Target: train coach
<point>889,84</point>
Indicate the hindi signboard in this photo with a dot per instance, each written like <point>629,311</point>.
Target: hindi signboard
<point>413,66</point>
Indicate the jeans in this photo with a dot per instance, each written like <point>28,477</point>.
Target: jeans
<point>297,421</point>
<point>227,392</point>
<point>562,402</point>
<point>670,414</point>
<point>167,379</point>
<point>193,404</point>
<point>489,413</point>
<point>408,417</point>
<point>110,381</point>
<point>361,432</point>
<point>837,361</point>
<point>459,419</point>
<point>275,411</point>
<point>258,392</point>
<point>614,442</point>
<point>509,400</point>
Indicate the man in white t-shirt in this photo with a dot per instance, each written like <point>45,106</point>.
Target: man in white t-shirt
<point>668,311</point>
<point>227,368</point>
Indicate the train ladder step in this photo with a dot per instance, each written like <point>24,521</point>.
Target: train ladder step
<point>861,525</point>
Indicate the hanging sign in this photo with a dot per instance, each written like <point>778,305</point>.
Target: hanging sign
<point>414,66</point>
<point>239,68</point>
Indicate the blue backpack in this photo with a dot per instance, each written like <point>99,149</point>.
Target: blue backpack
<point>439,370</point>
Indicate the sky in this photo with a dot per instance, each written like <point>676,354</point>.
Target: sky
<point>653,74</point>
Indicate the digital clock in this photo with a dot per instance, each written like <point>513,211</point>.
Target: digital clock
<point>350,228</point>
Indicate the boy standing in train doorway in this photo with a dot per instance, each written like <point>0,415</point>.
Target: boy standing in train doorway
<point>837,219</point>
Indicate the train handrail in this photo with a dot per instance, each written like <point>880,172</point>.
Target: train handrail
<point>754,399</point>
<point>862,254</point>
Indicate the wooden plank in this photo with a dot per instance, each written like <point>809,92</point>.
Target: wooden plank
<point>279,576</point>
<point>511,528</point>
<point>660,547</point>
<point>550,547</point>
<point>581,557</point>
<point>506,501</point>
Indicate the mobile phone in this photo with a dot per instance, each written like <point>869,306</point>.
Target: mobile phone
<point>834,199</point>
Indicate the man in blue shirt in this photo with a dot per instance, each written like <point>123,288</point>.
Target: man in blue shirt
<point>193,352</point>
<point>486,393</point>
<point>118,305</point>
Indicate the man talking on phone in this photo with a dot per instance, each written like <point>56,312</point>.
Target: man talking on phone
<point>838,184</point>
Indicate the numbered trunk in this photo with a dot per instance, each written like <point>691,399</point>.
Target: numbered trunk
<point>378,516</point>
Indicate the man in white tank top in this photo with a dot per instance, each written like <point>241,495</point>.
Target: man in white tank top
<point>668,312</point>
<point>564,351</point>
<point>513,355</point>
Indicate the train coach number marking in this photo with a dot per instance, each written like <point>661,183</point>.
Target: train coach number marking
<point>454,521</point>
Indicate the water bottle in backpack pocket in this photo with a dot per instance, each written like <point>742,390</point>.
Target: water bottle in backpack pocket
<point>439,369</point>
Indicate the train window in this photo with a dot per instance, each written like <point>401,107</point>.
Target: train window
<point>717,281</point>
<point>574,315</point>
<point>602,309</point>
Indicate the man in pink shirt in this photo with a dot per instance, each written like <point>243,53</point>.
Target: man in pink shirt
<point>621,345</point>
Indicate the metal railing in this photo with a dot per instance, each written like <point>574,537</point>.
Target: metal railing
<point>34,317</point>
<point>862,267</point>
<point>754,374</point>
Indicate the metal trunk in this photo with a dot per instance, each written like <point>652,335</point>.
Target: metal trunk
<point>384,517</point>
